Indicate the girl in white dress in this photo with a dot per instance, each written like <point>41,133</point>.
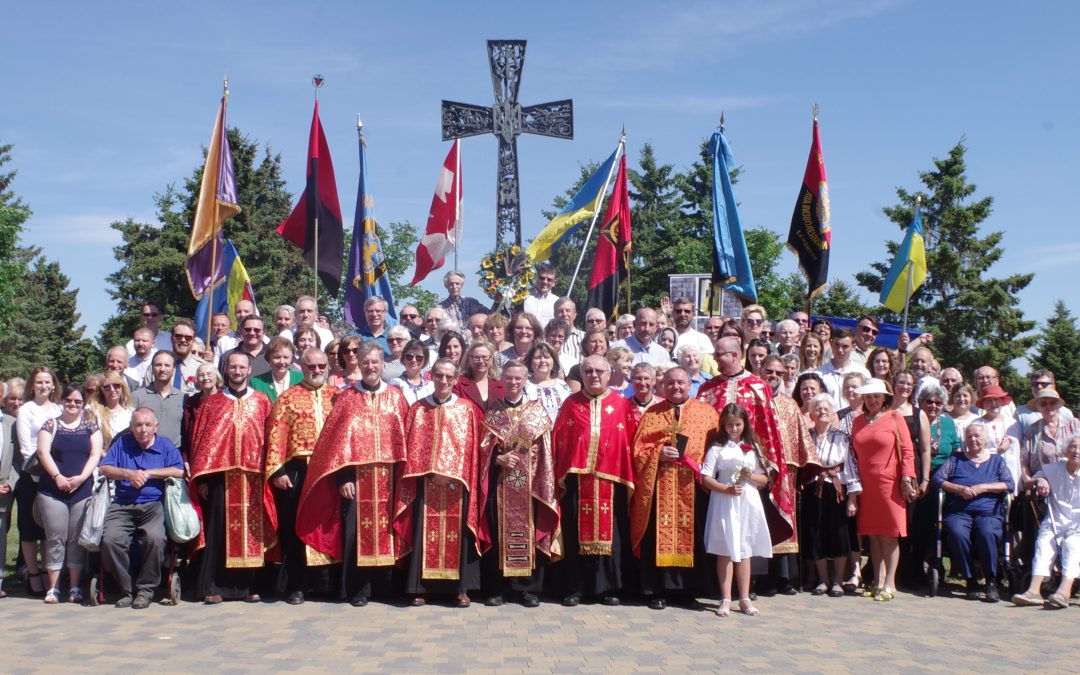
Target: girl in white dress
<point>735,528</point>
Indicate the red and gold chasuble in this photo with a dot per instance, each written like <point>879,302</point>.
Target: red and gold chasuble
<point>229,438</point>
<point>755,396</point>
<point>441,443</point>
<point>296,420</point>
<point>365,431</point>
<point>668,489</point>
<point>528,506</point>
<point>799,451</point>
<point>592,439</point>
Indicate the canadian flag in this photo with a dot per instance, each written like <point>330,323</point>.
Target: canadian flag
<point>444,218</point>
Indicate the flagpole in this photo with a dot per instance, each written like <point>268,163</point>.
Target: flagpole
<point>457,204</point>
<point>213,228</point>
<point>317,82</point>
<point>910,287</point>
<point>599,208</point>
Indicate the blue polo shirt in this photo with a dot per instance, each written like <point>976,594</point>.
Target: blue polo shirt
<point>125,453</point>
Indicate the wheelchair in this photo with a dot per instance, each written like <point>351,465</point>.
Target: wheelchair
<point>1010,569</point>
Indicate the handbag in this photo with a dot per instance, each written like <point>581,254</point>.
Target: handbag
<point>181,520</point>
<point>900,456</point>
<point>93,521</point>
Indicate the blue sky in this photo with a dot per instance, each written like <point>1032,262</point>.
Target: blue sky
<point>108,103</point>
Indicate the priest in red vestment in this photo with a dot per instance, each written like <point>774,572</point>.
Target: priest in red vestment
<point>237,509</point>
<point>593,471</point>
<point>734,384</point>
<point>521,510</point>
<point>346,509</point>
<point>295,423</point>
<point>667,511</point>
<point>437,506</point>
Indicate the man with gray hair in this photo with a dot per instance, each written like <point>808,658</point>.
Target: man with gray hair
<point>457,306</point>
<point>787,334</point>
<point>375,309</point>
<point>307,314</point>
<point>434,316</point>
<point>284,320</point>
<point>566,310</point>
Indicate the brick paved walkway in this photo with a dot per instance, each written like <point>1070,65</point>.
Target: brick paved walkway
<point>909,634</point>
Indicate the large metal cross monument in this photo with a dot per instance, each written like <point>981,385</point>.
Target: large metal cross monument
<point>507,119</point>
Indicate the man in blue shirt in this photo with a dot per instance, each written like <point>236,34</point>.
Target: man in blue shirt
<point>138,463</point>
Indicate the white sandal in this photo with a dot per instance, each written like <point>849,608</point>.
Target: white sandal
<point>747,607</point>
<point>724,608</point>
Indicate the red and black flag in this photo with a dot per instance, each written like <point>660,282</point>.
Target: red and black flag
<point>612,250</point>
<point>810,237</point>
<point>317,216</point>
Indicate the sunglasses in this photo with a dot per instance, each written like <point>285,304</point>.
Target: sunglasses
<point>351,350</point>
<point>150,315</point>
<point>413,357</point>
<point>754,322</point>
<point>73,401</point>
<point>183,338</point>
<point>410,316</point>
<point>869,329</point>
<point>395,339</point>
<point>111,386</point>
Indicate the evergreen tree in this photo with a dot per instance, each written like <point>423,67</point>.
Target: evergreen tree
<point>13,213</point>
<point>839,299</point>
<point>976,319</point>
<point>152,256</point>
<point>779,295</point>
<point>1058,348</point>
<point>44,329</point>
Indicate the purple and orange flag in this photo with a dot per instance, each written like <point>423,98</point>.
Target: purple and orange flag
<point>217,203</point>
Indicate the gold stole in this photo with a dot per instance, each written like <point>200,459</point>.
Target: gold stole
<point>374,505</point>
<point>517,532</point>
<point>243,519</point>
<point>596,509</point>
<point>442,525</point>
<point>674,501</point>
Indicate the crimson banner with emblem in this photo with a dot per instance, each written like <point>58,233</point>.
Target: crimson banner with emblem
<point>612,250</point>
<point>810,237</point>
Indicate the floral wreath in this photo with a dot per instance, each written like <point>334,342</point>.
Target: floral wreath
<point>506,275</point>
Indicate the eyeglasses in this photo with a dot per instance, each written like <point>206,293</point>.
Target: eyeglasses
<point>115,387</point>
<point>150,315</point>
<point>253,330</point>
<point>684,310</point>
<point>869,329</point>
<point>410,317</point>
<point>317,366</point>
<point>933,402</point>
<point>412,357</point>
<point>772,371</point>
<point>729,335</point>
<point>397,339</point>
<point>754,322</point>
<point>183,338</point>
<point>73,401</point>
<point>351,350</point>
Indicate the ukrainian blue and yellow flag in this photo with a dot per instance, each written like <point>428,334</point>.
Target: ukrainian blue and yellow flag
<point>581,206</point>
<point>233,286</point>
<point>908,270</point>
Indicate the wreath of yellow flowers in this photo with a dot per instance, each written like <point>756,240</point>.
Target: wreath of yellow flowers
<point>506,274</point>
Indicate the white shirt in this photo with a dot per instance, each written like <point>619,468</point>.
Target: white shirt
<point>163,340</point>
<point>541,306</point>
<point>653,354</point>
<point>834,379</point>
<point>996,430</point>
<point>695,338</point>
<point>28,423</point>
<point>1064,498</point>
<point>137,367</point>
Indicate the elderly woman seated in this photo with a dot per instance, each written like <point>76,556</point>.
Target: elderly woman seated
<point>975,484</point>
<point>1059,533</point>
<point>689,358</point>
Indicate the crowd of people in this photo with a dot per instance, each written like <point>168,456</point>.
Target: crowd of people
<point>463,451</point>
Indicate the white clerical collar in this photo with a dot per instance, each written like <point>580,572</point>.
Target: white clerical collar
<point>431,399</point>
<point>247,391</point>
<point>359,385</point>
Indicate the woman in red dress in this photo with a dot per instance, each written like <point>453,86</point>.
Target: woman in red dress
<point>883,448</point>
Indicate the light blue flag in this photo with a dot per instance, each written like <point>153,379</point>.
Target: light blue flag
<point>368,275</point>
<point>731,260</point>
